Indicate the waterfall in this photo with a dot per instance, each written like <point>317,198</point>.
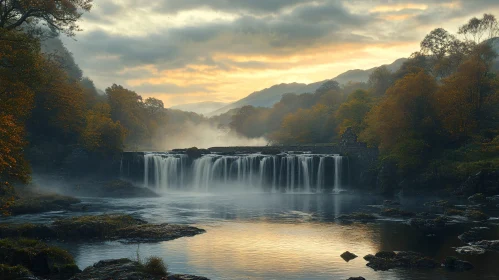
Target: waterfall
<point>337,172</point>
<point>274,173</point>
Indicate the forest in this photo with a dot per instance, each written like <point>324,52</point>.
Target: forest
<point>437,114</point>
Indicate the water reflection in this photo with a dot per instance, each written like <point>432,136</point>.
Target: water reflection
<point>276,236</point>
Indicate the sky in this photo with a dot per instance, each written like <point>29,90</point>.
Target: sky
<point>186,51</point>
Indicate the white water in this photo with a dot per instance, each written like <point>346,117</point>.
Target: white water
<point>253,172</point>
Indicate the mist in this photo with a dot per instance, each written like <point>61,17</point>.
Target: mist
<point>203,135</point>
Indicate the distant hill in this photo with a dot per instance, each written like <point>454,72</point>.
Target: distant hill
<point>269,96</point>
<point>200,107</point>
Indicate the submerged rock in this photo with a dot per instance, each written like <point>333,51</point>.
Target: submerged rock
<point>470,250</point>
<point>125,269</point>
<point>476,215</point>
<point>362,217</point>
<point>428,224</point>
<point>397,213</point>
<point>454,263</point>
<point>477,198</point>
<point>404,259</point>
<point>347,256</point>
<point>474,234</point>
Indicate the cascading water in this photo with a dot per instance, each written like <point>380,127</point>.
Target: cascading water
<point>288,173</point>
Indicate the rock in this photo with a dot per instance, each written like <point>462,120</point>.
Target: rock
<point>470,250</point>
<point>194,153</point>
<point>391,203</point>
<point>438,204</point>
<point>472,235</point>
<point>454,212</point>
<point>484,181</point>
<point>357,278</point>
<point>475,215</point>
<point>403,259</point>
<point>487,244</point>
<point>271,151</point>
<point>124,269</point>
<point>454,263</point>
<point>33,203</point>
<point>156,233</point>
<point>99,228</point>
<point>347,256</point>
<point>123,189</point>
<point>362,217</point>
<point>393,212</point>
<point>494,198</point>
<point>477,198</point>
<point>428,224</point>
<point>39,258</point>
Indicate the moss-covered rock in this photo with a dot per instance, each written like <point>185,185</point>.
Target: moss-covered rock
<point>41,259</point>
<point>31,203</point>
<point>8,272</point>
<point>476,215</point>
<point>454,212</point>
<point>101,227</point>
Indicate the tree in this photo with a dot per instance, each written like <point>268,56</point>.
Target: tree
<point>438,43</point>
<point>60,16</point>
<point>380,80</point>
<point>353,111</point>
<point>403,124</point>
<point>101,134</point>
<point>20,75</point>
<point>477,29</point>
<point>461,97</point>
<point>127,108</point>
<point>314,125</point>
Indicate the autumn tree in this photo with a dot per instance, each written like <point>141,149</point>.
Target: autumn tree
<point>101,134</point>
<point>314,125</point>
<point>20,73</point>
<point>60,16</point>
<point>127,108</point>
<point>352,112</point>
<point>403,124</point>
<point>461,98</point>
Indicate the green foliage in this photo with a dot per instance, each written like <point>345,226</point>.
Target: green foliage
<point>8,272</point>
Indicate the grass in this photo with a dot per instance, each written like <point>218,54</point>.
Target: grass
<point>30,202</point>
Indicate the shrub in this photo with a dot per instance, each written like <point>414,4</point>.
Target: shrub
<point>155,266</point>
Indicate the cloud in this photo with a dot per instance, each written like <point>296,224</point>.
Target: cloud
<point>192,47</point>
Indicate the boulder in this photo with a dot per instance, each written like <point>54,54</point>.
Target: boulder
<point>454,263</point>
<point>347,256</point>
<point>403,259</point>
<point>357,278</point>
<point>484,181</point>
<point>428,224</point>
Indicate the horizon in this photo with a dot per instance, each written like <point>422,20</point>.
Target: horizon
<point>222,51</point>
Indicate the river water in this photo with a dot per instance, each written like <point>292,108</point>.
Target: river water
<point>276,236</point>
